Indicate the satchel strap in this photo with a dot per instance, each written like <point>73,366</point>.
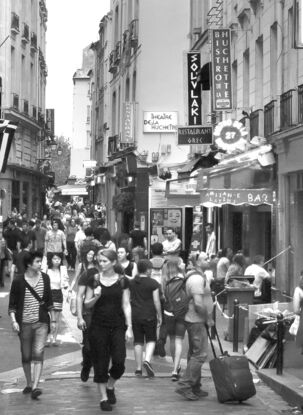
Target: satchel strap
<point>34,293</point>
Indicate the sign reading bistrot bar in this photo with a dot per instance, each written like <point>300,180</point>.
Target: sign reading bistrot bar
<point>194,89</point>
<point>221,70</point>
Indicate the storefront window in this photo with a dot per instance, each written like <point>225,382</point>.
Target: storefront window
<point>15,195</point>
<point>25,195</point>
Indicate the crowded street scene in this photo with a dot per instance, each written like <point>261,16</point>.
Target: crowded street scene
<point>151,225</point>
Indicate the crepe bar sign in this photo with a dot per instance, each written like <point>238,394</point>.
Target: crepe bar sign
<point>221,69</point>
<point>194,88</point>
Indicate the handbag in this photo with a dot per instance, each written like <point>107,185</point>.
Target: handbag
<point>42,306</point>
<point>293,329</point>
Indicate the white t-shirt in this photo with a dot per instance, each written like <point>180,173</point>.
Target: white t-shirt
<point>222,267</point>
<point>259,273</point>
<point>196,284</point>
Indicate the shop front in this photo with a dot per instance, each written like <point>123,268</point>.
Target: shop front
<point>238,197</point>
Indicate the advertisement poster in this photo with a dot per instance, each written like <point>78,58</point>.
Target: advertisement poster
<point>197,235</point>
<point>163,218</point>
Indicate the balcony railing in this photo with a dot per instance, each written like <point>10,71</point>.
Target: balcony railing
<point>25,33</point>
<point>112,63</point>
<point>133,33</point>
<point>15,23</point>
<point>269,118</point>
<point>254,123</point>
<point>16,102</point>
<point>41,120</point>
<point>34,42</point>
<point>300,103</point>
<point>34,112</point>
<point>125,42</point>
<point>286,109</point>
<point>25,106</point>
<point>117,56</point>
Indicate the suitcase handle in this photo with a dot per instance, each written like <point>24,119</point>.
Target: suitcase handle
<point>218,339</point>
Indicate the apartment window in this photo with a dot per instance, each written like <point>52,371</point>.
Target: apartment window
<point>88,113</point>
<point>134,87</point>
<point>246,86</point>
<point>136,9</point>
<point>114,109</point>
<point>290,28</point>
<point>286,109</point>
<point>130,10</point>
<point>273,59</point>
<point>116,24</point>
<point>127,86</point>
<point>300,104</point>
<point>234,82</point>
<point>269,118</point>
<point>259,72</point>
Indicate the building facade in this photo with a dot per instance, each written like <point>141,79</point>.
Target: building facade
<point>81,118</point>
<point>142,99</point>
<point>23,71</point>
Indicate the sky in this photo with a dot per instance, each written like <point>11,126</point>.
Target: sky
<point>71,26</point>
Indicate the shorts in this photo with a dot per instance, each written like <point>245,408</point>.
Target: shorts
<point>32,338</point>
<point>174,326</point>
<point>144,330</point>
<point>57,297</point>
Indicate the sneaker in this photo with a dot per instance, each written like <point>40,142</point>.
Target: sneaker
<point>161,348</point>
<point>111,396</point>
<point>35,393</point>
<point>138,372</point>
<point>105,406</point>
<point>84,375</point>
<point>175,377</point>
<point>149,370</point>
<point>187,394</point>
<point>200,393</point>
<point>27,390</point>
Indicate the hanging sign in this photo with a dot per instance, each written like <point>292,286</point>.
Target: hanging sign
<point>195,135</point>
<point>194,88</point>
<point>221,69</point>
<point>230,135</point>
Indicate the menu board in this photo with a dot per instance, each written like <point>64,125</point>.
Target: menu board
<point>163,218</point>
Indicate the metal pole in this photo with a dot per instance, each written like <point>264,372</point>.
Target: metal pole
<point>280,337</point>
<point>212,329</point>
<point>236,326</point>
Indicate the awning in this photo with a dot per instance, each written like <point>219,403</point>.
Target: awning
<point>113,162</point>
<point>73,190</point>
<point>236,197</point>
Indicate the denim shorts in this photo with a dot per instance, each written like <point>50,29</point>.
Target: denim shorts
<point>175,326</point>
<point>32,341</point>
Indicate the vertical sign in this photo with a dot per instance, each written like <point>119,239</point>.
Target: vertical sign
<point>221,70</point>
<point>50,121</point>
<point>128,123</point>
<point>194,93</point>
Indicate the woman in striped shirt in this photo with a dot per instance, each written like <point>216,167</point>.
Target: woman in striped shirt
<point>30,303</point>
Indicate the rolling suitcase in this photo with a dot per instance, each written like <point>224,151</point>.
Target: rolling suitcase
<point>231,375</point>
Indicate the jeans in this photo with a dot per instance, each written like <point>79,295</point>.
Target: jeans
<point>107,344</point>
<point>197,354</point>
<point>32,341</point>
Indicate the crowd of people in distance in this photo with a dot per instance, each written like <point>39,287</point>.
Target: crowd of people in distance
<point>121,295</point>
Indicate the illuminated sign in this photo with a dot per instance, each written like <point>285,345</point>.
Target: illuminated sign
<point>230,135</point>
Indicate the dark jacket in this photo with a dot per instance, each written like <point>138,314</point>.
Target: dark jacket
<point>16,299</point>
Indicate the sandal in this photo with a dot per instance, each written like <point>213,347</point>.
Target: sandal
<point>36,392</point>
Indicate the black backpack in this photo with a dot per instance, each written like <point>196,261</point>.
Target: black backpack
<point>176,299</point>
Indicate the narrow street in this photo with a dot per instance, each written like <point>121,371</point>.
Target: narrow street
<point>64,393</point>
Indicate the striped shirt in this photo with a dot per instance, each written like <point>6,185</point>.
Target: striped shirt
<point>31,304</point>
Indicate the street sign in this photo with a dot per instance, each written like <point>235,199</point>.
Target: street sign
<point>195,135</point>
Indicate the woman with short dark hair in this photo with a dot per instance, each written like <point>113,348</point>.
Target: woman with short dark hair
<point>30,303</point>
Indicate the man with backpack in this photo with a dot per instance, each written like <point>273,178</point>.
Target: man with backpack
<point>199,314</point>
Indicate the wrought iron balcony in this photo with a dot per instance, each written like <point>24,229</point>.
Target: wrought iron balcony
<point>15,28</point>
<point>113,144</point>
<point>254,123</point>
<point>112,63</point>
<point>25,33</point>
<point>117,56</point>
<point>269,118</point>
<point>286,109</point>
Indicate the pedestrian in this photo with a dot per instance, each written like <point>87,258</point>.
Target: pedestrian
<point>90,239</point>
<point>27,234</point>
<point>172,244</point>
<point>30,302</point>
<point>211,240</point>
<point>137,242</point>
<point>175,324</point>
<point>298,310</point>
<point>236,267</point>
<point>110,325</point>
<point>199,314</point>
<point>55,241</point>
<point>80,236</point>
<point>12,236</point>
<point>70,231</point>
<point>146,315</point>
<point>106,242</point>
<point>262,280</point>
<point>59,281</point>
<point>130,267</point>
<point>40,234</point>
<point>88,268</point>
<point>18,267</point>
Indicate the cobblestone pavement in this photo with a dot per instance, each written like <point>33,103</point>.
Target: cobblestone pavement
<point>65,394</point>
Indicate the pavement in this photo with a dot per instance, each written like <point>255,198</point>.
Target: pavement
<point>64,393</point>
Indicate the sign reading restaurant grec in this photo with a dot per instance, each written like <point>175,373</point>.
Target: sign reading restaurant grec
<point>160,121</point>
